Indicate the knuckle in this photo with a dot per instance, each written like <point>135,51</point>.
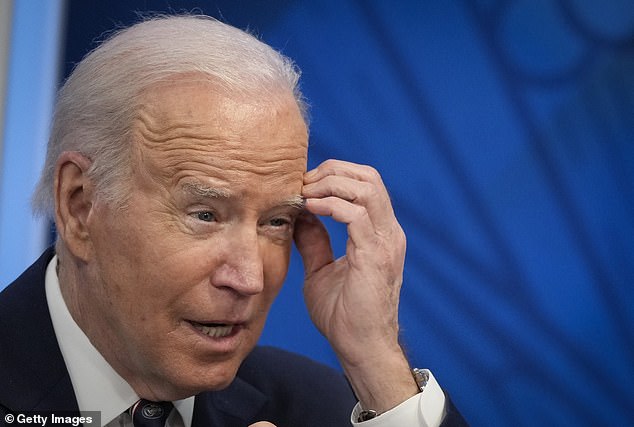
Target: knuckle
<point>328,164</point>
<point>328,184</point>
<point>359,213</point>
<point>371,172</point>
<point>367,192</point>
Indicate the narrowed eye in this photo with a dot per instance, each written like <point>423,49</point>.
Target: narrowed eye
<point>205,216</point>
<point>279,222</point>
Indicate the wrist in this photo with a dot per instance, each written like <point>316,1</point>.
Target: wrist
<point>381,381</point>
<point>421,377</point>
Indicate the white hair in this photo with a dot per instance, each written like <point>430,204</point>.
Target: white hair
<point>98,102</point>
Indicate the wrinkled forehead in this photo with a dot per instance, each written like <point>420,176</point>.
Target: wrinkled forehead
<point>176,97</point>
<point>192,125</point>
<point>197,102</point>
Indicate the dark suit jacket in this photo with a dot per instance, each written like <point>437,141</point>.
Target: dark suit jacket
<point>272,384</point>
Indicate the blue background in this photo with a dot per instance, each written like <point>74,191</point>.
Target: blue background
<point>505,133</point>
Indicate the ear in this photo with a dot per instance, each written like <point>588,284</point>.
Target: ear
<point>74,193</point>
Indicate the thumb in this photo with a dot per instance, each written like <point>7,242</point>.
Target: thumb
<point>262,424</point>
<point>313,242</point>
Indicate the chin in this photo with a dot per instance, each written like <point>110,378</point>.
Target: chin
<point>183,390</point>
<point>198,372</point>
<point>207,379</point>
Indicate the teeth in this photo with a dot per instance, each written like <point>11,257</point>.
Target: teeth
<point>214,331</point>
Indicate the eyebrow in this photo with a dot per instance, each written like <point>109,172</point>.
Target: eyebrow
<point>296,201</point>
<point>200,190</point>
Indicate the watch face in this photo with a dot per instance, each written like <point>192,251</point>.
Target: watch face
<point>421,377</point>
<point>367,415</point>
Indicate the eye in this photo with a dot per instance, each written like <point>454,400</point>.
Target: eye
<point>205,216</point>
<point>279,222</point>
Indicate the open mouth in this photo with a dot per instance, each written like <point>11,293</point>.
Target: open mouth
<point>215,330</point>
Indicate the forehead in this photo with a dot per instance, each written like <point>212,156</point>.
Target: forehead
<point>191,127</point>
<point>197,103</point>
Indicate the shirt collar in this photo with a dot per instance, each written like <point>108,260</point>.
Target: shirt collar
<point>98,387</point>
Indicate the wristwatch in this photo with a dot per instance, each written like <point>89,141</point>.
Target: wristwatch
<point>420,376</point>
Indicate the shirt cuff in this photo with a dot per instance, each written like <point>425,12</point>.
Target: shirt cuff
<point>426,409</point>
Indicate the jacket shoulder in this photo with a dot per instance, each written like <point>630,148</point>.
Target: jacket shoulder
<point>34,375</point>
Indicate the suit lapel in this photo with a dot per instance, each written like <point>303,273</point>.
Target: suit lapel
<point>237,405</point>
<point>35,375</point>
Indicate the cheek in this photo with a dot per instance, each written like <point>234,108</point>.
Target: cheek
<point>275,262</point>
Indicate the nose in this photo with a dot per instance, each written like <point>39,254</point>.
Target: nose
<point>243,267</point>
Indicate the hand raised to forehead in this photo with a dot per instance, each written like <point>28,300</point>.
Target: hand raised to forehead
<point>353,300</point>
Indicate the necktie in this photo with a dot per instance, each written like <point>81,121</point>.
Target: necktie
<point>150,414</point>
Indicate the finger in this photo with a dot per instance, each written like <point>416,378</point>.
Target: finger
<point>342,168</point>
<point>369,195</point>
<point>360,228</point>
<point>313,242</point>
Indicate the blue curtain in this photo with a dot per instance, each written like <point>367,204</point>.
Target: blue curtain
<point>504,131</point>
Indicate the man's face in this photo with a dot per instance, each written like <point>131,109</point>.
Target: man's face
<point>185,274</point>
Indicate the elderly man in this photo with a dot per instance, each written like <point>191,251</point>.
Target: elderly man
<point>176,177</point>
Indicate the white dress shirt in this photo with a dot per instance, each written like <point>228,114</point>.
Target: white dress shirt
<point>99,388</point>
